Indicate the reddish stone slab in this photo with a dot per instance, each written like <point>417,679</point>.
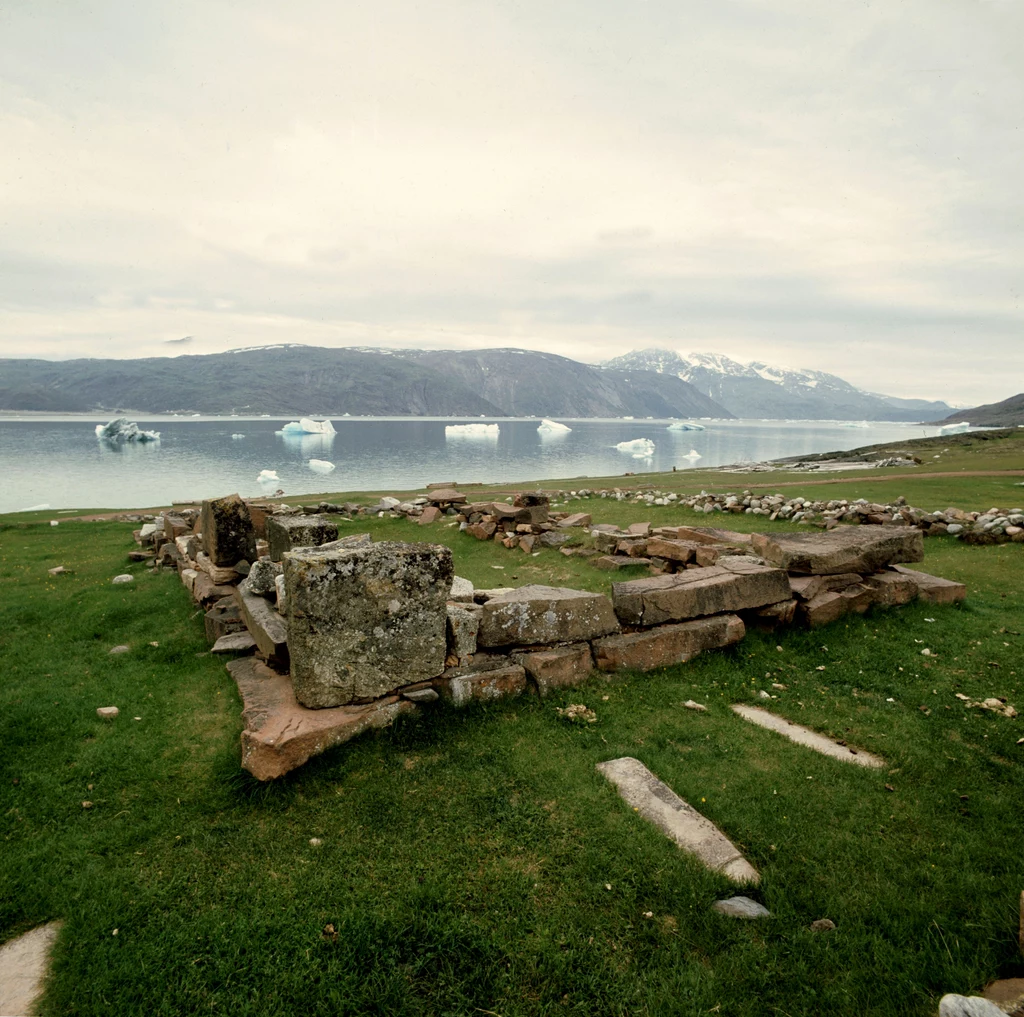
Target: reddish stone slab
<point>860,549</point>
<point>560,667</point>
<point>280,735</point>
<point>934,589</point>
<point>666,644</point>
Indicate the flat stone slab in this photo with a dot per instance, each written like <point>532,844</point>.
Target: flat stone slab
<point>235,642</point>
<point>741,907</point>
<point>860,549</point>
<point>682,823</point>
<point>734,584</point>
<point>24,963</point>
<point>466,685</point>
<point>934,589</point>
<point>560,667</point>
<point>667,644</point>
<point>533,615</point>
<point>265,625</point>
<point>279,734</point>
<point>805,736</point>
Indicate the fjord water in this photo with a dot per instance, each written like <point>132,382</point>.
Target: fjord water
<point>58,461</point>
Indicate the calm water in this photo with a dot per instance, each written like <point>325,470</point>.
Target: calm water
<point>58,461</point>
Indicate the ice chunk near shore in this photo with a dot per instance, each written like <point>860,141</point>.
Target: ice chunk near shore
<point>955,428</point>
<point>471,431</point>
<point>123,429</point>
<point>268,477</point>
<point>684,425</point>
<point>304,425</point>
<point>552,427</point>
<point>642,448</point>
<point>320,466</point>
<point>237,436</point>
<point>693,454</point>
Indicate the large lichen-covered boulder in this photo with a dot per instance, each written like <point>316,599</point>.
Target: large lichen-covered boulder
<point>290,531</point>
<point>860,549</point>
<point>228,534</point>
<point>534,615</point>
<point>364,621</point>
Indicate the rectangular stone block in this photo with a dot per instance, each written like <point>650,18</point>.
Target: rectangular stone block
<point>559,667</point>
<point>284,533</point>
<point>674,550</point>
<point>806,587</point>
<point>732,585</point>
<point>666,644</point>
<point>712,535</point>
<point>222,575</point>
<point>205,591</point>
<point>934,589</point>
<point>823,609</point>
<point>858,597</point>
<point>364,621</point>
<point>861,549</point>
<point>228,535</point>
<point>774,615</point>
<point>496,683</point>
<point>545,614</point>
<point>266,626</point>
<point>463,623</point>
<point>576,519</point>
<point>223,618</point>
<point>892,588</point>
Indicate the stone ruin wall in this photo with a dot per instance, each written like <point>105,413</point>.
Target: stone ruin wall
<point>330,637</point>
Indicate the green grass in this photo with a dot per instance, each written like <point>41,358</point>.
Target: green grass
<point>465,855</point>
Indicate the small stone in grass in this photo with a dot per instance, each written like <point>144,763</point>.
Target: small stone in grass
<point>691,705</point>
<point>823,925</point>
<point>123,578</point>
<point>59,570</point>
<point>315,842</point>
<point>107,712</point>
<point>952,1005</point>
<point>120,649</point>
<point>86,805</point>
<point>741,907</point>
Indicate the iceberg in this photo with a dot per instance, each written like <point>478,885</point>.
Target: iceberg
<point>693,454</point>
<point>684,425</point>
<point>268,477</point>
<point>854,423</point>
<point>304,425</point>
<point>552,427</point>
<point>641,448</point>
<point>237,436</point>
<point>955,428</point>
<point>471,431</point>
<point>320,466</point>
<point>122,429</point>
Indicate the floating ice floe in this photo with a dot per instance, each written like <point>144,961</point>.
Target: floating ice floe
<point>552,427</point>
<point>122,429</point>
<point>471,431</point>
<point>640,448</point>
<point>320,466</point>
<point>237,436</point>
<point>684,425</point>
<point>268,477</point>
<point>955,428</point>
<point>304,425</point>
<point>854,423</point>
<point>693,454</point>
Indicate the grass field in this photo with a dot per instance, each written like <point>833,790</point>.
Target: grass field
<point>474,862</point>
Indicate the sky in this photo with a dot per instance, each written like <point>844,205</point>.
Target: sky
<point>827,186</point>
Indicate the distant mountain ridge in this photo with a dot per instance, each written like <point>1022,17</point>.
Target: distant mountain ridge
<point>294,379</point>
<point>1008,413</point>
<point>760,390</point>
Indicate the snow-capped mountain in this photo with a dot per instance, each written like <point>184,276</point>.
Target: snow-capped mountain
<point>761,390</point>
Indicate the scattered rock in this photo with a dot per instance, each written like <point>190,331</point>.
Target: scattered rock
<point>822,925</point>
<point>699,707</point>
<point>952,1005</point>
<point>119,649</point>
<point>123,578</point>
<point>741,907</point>
<point>60,570</point>
<point>107,712</point>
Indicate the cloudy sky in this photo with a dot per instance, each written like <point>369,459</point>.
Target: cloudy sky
<point>834,186</point>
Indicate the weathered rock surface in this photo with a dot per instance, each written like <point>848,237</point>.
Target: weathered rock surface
<point>463,686</point>
<point>463,625</point>
<point>284,533</point>
<point>265,625</point>
<point>223,618</point>
<point>933,589</point>
<point>733,585</point>
<point>823,609</point>
<point>222,575</point>
<point>952,1005</point>
<point>228,534</point>
<point>576,519</point>
<point>659,804</point>
<point>891,589</point>
<point>860,549</point>
<point>666,644</point>
<point>236,642</point>
<point>462,591</point>
<point>545,614</point>
<point>279,734</point>
<point>559,667</point>
<point>364,621</point>
<point>741,907</point>
<point>263,574</point>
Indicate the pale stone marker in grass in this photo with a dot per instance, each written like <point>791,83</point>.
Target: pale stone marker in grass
<point>660,805</point>
<point>805,736</point>
<point>23,966</point>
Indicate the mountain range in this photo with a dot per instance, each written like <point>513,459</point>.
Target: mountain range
<point>299,379</point>
<point>759,390</point>
<point>293,379</point>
